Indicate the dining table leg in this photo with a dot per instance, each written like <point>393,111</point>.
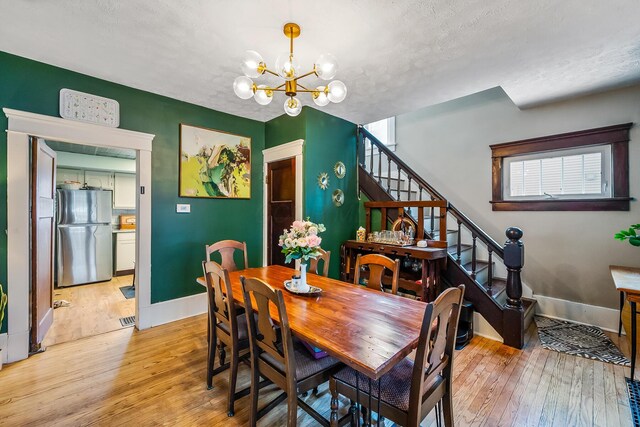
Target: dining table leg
<point>358,397</point>
<point>620,317</point>
<point>633,339</point>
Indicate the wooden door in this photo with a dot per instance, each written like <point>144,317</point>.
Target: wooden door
<point>43,165</point>
<point>281,204</point>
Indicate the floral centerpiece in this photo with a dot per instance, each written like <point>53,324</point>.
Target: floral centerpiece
<point>301,242</point>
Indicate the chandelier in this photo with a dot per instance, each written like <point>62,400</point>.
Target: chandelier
<point>325,67</point>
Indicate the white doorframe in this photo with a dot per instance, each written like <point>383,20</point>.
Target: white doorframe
<point>23,125</point>
<point>281,152</point>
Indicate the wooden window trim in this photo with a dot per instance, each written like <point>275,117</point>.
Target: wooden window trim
<point>617,136</point>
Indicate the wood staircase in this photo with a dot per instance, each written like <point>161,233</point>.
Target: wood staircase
<point>474,258</point>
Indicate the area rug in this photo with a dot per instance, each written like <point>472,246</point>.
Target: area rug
<point>633,388</point>
<point>128,291</point>
<point>579,340</point>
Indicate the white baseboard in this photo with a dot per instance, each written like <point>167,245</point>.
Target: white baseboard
<point>3,346</point>
<point>602,317</point>
<point>176,309</point>
<point>17,347</point>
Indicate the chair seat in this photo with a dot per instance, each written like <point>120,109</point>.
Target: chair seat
<point>243,332</point>
<point>306,364</point>
<point>395,384</point>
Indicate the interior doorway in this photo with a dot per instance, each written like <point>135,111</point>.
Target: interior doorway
<point>22,126</point>
<point>285,162</point>
<point>93,258</point>
<point>281,204</point>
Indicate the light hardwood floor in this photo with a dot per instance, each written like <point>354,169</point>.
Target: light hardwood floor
<point>157,377</point>
<point>93,309</point>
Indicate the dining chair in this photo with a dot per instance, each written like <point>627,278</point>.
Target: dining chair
<point>377,264</point>
<point>226,326</point>
<point>411,389</point>
<point>278,357</point>
<point>227,248</point>
<point>325,256</point>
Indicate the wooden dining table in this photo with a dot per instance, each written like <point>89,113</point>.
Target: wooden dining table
<point>365,329</point>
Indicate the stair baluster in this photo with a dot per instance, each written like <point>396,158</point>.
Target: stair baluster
<point>388,174</point>
<point>490,272</point>
<point>398,186</point>
<point>459,244</point>
<point>409,188</point>
<point>379,167</point>
<point>473,256</point>
<point>433,223</point>
<point>371,160</point>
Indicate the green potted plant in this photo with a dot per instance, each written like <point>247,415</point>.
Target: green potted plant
<point>3,305</point>
<point>633,238</point>
<point>629,235</point>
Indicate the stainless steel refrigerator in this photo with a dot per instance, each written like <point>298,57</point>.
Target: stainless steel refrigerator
<point>84,237</point>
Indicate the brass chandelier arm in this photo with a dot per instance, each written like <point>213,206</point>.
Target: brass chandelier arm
<point>307,74</point>
<point>266,70</point>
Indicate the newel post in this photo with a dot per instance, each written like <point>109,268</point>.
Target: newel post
<point>514,261</point>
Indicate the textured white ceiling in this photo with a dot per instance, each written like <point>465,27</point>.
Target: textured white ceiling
<point>394,56</point>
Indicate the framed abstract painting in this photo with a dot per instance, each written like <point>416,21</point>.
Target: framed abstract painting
<point>214,164</point>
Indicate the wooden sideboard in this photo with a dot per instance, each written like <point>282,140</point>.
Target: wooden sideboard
<point>432,262</point>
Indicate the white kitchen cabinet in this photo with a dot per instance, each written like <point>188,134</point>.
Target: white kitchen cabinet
<point>99,179</point>
<point>125,251</point>
<point>63,175</point>
<point>124,191</point>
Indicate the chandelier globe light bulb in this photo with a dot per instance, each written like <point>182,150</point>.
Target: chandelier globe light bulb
<point>252,64</point>
<point>337,91</point>
<point>326,66</point>
<point>243,87</point>
<point>292,106</point>
<point>263,95</point>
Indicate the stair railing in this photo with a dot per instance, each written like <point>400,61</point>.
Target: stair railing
<point>393,187</point>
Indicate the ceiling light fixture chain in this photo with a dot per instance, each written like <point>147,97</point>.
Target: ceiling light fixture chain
<point>286,67</point>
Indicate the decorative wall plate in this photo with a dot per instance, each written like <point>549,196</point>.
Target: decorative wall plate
<point>323,180</point>
<point>338,198</point>
<point>340,170</point>
<point>88,108</point>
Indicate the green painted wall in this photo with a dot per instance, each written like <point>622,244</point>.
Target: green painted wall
<point>177,240</point>
<point>328,140</point>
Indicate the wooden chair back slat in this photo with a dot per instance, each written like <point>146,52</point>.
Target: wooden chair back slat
<point>434,355</point>
<point>263,333</point>
<point>220,294</point>
<point>314,263</point>
<point>377,264</point>
<point>227,248</point>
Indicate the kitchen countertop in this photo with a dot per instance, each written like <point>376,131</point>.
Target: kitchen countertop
<point>124,231</point>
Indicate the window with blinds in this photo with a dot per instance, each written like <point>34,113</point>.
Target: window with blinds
<point>584,170</point>
<point>385,131</point>
<point>575,173</point>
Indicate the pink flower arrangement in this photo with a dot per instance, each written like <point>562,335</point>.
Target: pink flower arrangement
<point>301,241</point>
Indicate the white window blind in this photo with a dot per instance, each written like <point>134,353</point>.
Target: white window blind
<point>574,173</point>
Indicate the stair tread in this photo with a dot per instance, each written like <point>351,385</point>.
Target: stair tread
<point>438,231</point>
<point>453,249</point>
<point>480,265</point>
<point>498,286</point>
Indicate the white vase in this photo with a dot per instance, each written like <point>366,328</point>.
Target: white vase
<point>303,287</point>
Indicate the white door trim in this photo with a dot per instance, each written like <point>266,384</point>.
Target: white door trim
<point>21,126</point>
<point>281,152</point>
